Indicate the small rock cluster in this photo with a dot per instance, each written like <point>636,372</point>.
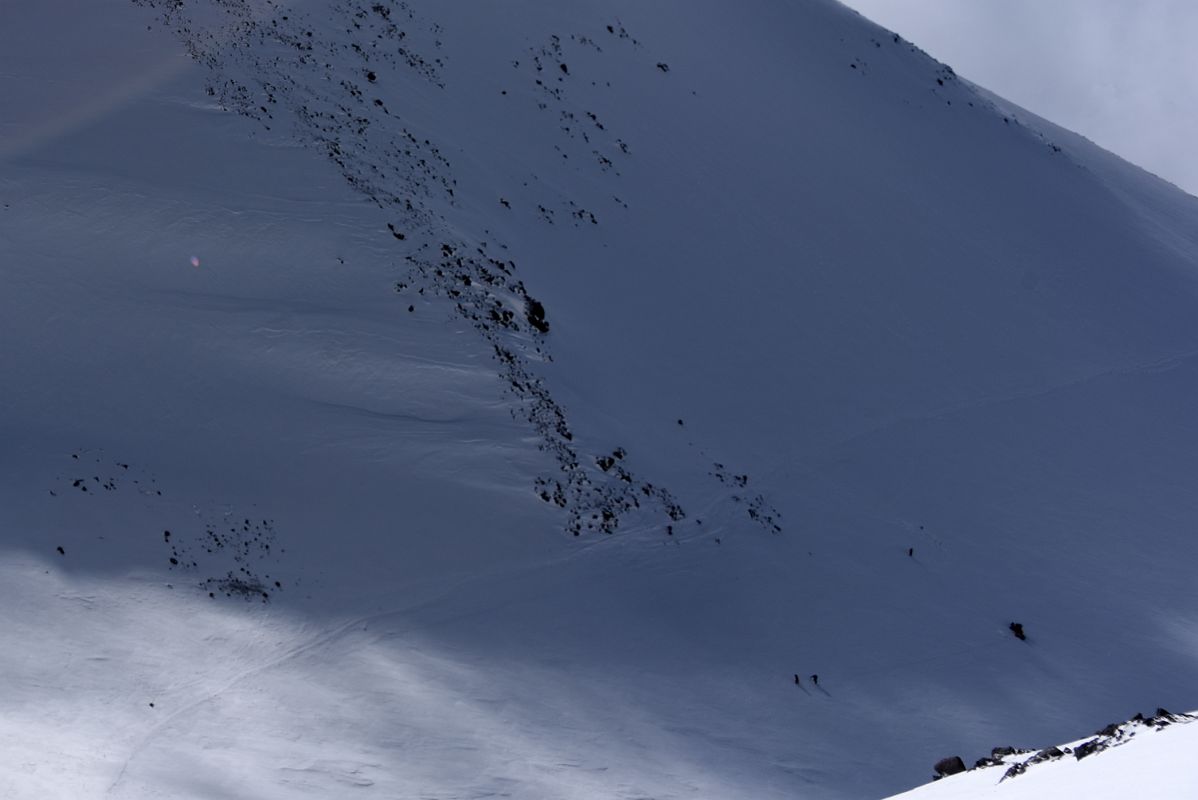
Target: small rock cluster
<point>1017,761</point>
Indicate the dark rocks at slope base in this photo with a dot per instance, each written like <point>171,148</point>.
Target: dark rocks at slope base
<point>1047,754</point>
<point>232,585</point>
<point>1089,748</point>
<point>948,766</point>
<point>1164,718</point>
<point>1113,735</point>
<point>995,759</point>
<point>242,549</point>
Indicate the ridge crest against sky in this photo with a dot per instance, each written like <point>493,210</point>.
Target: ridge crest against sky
<point>1124,75</point>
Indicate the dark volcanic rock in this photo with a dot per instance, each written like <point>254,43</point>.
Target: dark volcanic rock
<point>536,315</point>
<point>949,766</point>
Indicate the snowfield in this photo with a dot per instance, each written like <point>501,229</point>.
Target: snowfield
<point>1116,764</point>
<point>404,399</point>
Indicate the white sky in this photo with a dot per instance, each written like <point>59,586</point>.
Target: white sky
<point>1123,73</point>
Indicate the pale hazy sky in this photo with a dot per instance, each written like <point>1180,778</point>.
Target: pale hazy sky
<point>1123,73</point>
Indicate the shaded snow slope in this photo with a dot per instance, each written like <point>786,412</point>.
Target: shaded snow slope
<point>762,292</point>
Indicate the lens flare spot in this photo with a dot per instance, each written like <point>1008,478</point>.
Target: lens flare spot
<point>195,261</point>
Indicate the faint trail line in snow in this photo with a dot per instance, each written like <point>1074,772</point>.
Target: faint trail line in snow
<point>313,644</point>
<point>881,666</point>
<point>389,416</point>
<point>321,640</point>
<point>1162,364</point>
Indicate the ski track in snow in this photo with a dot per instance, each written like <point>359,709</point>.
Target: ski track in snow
<point>1162,364</point>
<point>317,642</point>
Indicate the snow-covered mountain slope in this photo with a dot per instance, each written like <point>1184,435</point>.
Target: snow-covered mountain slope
<point>1118,761</point>
<point>327,325</point>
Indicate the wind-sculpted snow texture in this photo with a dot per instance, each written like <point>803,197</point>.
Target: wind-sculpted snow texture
<point>322,321</point>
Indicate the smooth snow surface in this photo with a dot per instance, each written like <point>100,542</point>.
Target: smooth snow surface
<point>811,302</point>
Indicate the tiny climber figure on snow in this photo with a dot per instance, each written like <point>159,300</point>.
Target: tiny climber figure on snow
<point>1017,629</point>
<point>815,680</point>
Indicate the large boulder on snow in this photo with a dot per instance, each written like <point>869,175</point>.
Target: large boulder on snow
<point>949,766</point>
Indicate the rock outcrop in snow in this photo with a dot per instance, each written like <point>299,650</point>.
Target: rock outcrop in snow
<point>1149,759</point>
